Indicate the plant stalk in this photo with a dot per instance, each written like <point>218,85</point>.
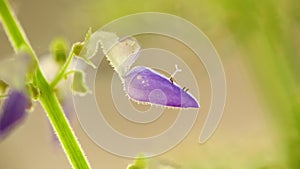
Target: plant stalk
<point>48,98</point>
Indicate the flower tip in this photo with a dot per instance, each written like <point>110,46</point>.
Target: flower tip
<point>191,103</point>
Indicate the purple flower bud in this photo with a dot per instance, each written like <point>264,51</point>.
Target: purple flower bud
<point>13,111</point>
<point>146,85</point>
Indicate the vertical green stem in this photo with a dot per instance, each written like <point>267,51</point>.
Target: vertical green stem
<point>55,113</point>
<point>48,99</point>
<point>13,30</point>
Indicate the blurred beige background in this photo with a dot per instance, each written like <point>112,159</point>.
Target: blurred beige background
<point>245,138</point>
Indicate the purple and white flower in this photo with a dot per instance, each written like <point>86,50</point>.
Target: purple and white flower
<point>142,84</point>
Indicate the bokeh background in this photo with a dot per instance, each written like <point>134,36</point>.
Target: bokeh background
<point>258,42</point>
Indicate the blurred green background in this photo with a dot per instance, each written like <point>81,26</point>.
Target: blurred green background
<point>258,42</point>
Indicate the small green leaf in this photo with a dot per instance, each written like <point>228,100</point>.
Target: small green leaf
<point>78,84</point>
<point>139,163</point>
<point>79,48</point>
<point>59,49</point>
<point>3,87</point>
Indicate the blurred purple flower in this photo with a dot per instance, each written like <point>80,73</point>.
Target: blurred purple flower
<point>146,85</point>
<point>13,111</point>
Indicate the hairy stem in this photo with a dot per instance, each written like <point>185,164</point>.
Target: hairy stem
<point>48,99</point>
<point>55,113</point>
<point>13,30</point>
<point>61,73</point>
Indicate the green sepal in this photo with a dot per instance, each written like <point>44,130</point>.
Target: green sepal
<point>33,91</point>
<point>78,84</point>
<point>79,47</point>
<point>3,87</point>
<point>139,163</point>
<point>59,50</point>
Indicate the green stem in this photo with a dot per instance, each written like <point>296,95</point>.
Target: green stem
<point>48,99</point>
<point>55,113</point>
<point>70,72</point>
<point>12,28</point>
<point>61,73</point>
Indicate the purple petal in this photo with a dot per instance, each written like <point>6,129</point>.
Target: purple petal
<point>146,85</point>
<point>13,111</point>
